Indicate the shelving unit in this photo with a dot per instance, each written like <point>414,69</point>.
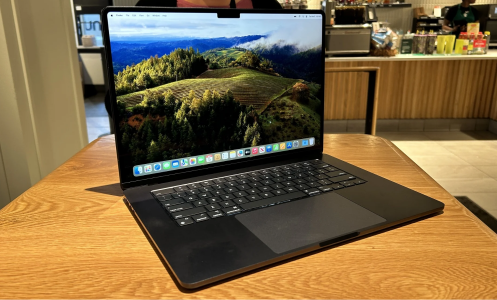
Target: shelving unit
<point>427,23</point>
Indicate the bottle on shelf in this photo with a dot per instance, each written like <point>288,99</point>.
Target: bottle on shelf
<point>471,44</point>
<point>487,39</point>
<point>464,36</point>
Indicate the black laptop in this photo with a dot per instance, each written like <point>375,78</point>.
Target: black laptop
<point>218,117</point>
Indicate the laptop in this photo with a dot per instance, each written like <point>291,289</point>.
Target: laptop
<point>218,119</point>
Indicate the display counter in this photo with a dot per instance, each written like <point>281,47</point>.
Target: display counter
<point>415,87</point>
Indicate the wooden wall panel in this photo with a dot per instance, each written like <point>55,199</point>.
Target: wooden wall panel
<point>415,90</point>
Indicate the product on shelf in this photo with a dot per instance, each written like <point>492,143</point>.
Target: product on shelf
<point>487,41</point>
<point>450,40</point>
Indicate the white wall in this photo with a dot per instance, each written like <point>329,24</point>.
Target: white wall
<point>42,118</point>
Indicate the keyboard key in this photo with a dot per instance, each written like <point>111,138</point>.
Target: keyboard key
<point>205,195</point>
<point>212,207</point>
<point>231,178</point>
<point>242,187</point>
<point>181,188</point>
<point>324,182</point>
<point>312,191</point>
<point>342,178</point>
<point>337,186</point>
<point>359,181</point>
<point>172,202</point>
<point>335,173</point>
<point>191,198</point>
<point>278,192</point>
<point>302,186</point>
<point>254,174</point>
<point>240,194</point>
<point>205,189</point>
<point>266,189</point>
<point>313,184</point>
<point>179,195</point>
<point>200,203</point>
<point>192,192</point>
<point>201,217</point>
<point>164,197</point>
<point>227,197</point>
<point>218,186</point>
<point>319,166</point>
<point>242,176</point>
<point>266,195</point>
<point>193,186</point>
<point>215,214</point>
<point>241,200</point>
<point>321,176</point>
<point>278,186</point>
<point>289,183</point>
<point>253,191</point>
<point>179,207</point>
<point>325,188</point>
<point>331,169</point>
<point>207,183</point>
<point>163,192</point>
<point>232,210</point>
<point>230,184</point>
<point>218,193</point>
<point>255,179</point>
<point>300,181</point>
<point>214,199</point>
<point>230,190</point>
<point>227,203</point>
<point>219,180</point>
<point>256,184</point>
<point>267,182</point>
<point>265,202</point>
<point>188,212</point>
<point>253,197</point>
<point>347,183</point>
<point>290,189</point>
<point>243,182</point>
<point>184,221</point>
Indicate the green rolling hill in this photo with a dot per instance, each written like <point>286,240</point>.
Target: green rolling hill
<point>250,87</point>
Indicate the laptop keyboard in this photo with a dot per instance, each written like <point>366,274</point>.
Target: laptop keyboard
<point>224,196</point>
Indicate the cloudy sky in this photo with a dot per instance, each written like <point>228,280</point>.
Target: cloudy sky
<point>304,33</point>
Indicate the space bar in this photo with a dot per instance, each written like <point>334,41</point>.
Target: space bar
<point>265,202</point>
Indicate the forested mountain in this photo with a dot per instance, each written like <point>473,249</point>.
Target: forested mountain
<point>164,127</point>
<point>127,54</point>
<point>289,62</point>
<point>155,71</point>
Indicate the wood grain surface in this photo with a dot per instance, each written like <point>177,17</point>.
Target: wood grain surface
<point>415,90</point>
<point>71,236</point>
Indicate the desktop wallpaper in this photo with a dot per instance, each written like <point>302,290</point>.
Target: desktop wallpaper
<point>209,85</point>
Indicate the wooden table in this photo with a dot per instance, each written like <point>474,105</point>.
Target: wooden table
<point>71,236</point>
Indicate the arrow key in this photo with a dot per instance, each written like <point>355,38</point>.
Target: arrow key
<point>185,221</point>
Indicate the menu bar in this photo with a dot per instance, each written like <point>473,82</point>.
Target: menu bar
<point>196,16</point>
<point>194,161</point>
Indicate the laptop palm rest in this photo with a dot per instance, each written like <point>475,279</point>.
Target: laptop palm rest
<point>308,222</point>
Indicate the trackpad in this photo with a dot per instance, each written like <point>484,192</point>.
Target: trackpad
<point>307,222</point>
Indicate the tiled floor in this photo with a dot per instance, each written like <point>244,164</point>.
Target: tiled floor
<point>464,163</point>
<point>97,119</point>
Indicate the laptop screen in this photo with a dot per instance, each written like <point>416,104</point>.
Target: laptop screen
<point>194,89</point>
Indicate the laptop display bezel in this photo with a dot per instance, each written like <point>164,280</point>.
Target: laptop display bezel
<point>209,168</point>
